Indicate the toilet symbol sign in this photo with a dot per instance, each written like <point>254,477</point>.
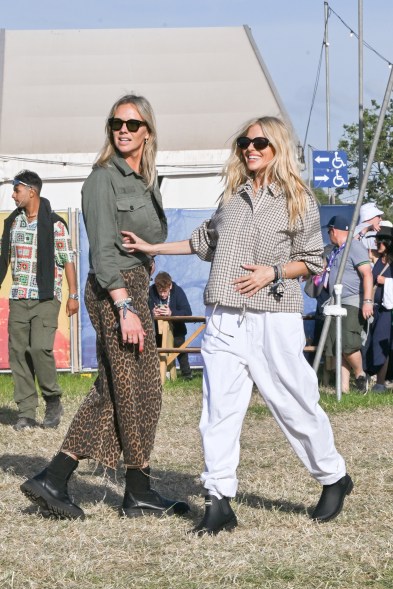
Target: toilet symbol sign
<point>330,169</point>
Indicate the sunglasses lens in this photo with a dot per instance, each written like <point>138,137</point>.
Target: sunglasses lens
<point>133,125</point>
<point>260,142</point>
<point>115,124</point>
<point>243,142</point>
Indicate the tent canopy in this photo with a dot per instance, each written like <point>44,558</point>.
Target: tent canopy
<point>56,86</point>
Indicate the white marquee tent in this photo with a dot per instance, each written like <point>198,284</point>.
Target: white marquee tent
<point>57,86</point>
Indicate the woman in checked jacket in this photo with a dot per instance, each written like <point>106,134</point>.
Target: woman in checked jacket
<point>263,236</point>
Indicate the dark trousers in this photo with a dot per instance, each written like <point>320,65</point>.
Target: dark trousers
<point>183,358</point>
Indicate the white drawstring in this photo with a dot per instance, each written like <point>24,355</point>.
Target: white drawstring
<point>214,325</point>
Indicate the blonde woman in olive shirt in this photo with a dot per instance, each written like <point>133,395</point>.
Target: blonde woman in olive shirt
<point>121,412</point>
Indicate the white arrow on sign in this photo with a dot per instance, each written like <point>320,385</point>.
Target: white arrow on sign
<point>320,159</point>
<point>323,178</point>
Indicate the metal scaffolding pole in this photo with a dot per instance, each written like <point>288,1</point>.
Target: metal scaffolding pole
<point>361,105</point>
<point>327,82</point>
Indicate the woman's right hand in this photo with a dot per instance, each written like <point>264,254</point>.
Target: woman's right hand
<point>132,243</point>
<point>132,331</point>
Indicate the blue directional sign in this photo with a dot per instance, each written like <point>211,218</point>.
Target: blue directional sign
<point>330,169</point>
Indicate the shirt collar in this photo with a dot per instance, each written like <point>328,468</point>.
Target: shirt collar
<point>274,188</point>
<point>122,166</point>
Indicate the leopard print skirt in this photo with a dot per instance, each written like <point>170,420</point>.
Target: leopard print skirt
<point>121,411</point>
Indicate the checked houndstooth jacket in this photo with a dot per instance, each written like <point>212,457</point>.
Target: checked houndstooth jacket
<point>254,230</point>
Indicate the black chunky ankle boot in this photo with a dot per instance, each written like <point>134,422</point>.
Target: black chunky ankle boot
<point>48,489</point>
<point>332,498</point>
<point>140,499</point>
<point>218,516</point>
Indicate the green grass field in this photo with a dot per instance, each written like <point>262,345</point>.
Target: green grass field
<point>276,545</point>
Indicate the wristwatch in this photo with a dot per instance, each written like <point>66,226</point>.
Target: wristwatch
<point>74,297</point>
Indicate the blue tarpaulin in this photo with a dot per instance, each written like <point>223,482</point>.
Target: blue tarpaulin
<point>189,272</point>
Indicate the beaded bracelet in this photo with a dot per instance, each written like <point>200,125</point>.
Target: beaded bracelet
<point>120,302</point>
<point>125,305</point>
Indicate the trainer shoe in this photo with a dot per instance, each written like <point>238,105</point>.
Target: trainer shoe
<point>361,383</point>
<point>379,388</point>
<point>24,423</point>
<point>53,412</point>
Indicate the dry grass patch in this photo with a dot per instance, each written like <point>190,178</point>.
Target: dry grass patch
<point>275,547</point>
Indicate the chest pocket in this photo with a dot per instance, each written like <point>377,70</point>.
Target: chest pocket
<point>132,214</point>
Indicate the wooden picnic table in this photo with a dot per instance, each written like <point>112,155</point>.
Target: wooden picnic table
<point>168,353</point>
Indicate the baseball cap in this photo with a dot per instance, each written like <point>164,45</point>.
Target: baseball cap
<point>368,211</point>
<point>338,222</point>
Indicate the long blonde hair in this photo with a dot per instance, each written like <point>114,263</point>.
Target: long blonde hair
<point>148,162</point>
<point>282,169</point>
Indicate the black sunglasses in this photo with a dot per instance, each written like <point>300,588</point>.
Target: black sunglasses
<point>132,124</point>
<point>258,142</point>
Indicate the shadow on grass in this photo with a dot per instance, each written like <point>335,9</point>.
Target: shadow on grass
<point>104,490</point>
<point>8,415</point>
<point>258,502</point>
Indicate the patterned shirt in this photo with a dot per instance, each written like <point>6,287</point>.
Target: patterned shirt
<point>23,256</point>
<point>254,230</point>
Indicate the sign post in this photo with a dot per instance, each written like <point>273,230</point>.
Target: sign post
<point>330,169</point>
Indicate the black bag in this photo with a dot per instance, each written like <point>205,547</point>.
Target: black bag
<point>312,290</point>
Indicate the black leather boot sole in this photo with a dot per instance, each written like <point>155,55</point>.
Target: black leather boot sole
<point>332,499</point>
<point>42,492</point>
<point>218,516</point>
<point>151,503</point>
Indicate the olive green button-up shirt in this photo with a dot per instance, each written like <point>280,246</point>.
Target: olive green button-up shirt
<point>115,198</point>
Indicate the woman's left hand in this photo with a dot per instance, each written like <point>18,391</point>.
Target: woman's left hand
<point>250,284</point>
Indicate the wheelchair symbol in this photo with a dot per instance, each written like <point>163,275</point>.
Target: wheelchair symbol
<point>338,180</point>
<point>337,162</point>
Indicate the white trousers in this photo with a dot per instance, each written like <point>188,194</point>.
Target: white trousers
<point>266,349</point>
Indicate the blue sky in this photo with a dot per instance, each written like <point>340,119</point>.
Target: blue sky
<point>288,33</point>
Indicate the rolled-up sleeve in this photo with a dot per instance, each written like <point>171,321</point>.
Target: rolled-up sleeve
<point>204,240</point>
<point>307,245</point>
<point>99,213</point>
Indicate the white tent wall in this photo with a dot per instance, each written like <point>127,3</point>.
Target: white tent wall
<point>189,179</point>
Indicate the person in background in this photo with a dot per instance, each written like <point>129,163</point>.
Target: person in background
<point>368,241</point>
<point>264,235</point>
<point>379,343</point>
<point>356,299</point>
<point>121,412</point>
<point>37,245</point>
<point>370,217</point>
<point>167,299</point>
